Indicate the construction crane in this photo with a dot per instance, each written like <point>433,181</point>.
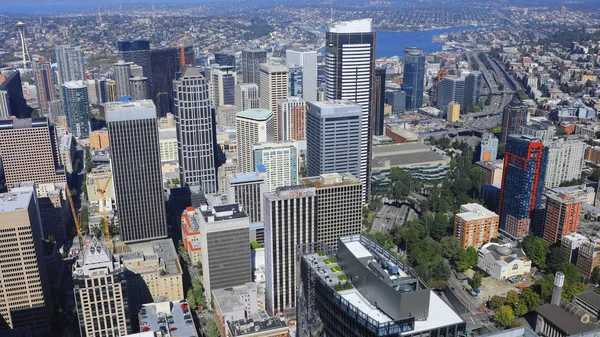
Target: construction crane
<point>75,218</point>
<point>102,190</point>
<point>440,76</point>
<point>182,51</point>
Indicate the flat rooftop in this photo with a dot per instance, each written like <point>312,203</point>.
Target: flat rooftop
<point>249,326</point>
<point>223,212</point>
<point>130,110</point>
<point>440,314</point>
<point>240,178</point>
<point>164,249</point>
<point>473,211</point>
<point>170,318</point>
<point>255,114</point>
<point>334,103</point>
<point>354,297</point>
<point>404,155</point>
<point>354,26</point>
<point>330,180</point>
<point>13,201</point>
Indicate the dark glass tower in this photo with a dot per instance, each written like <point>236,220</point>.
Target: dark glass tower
<point>513,118</point>
<point>251,60</point>
<point>17,105</point>
<point>225,59</point>
<point>414,77</point>
<point>163,68</point>
<point>138,52</point>
<point>377,111</point>
<point>522,184</point>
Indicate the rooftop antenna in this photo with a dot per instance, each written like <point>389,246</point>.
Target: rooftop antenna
<point>21,27</point>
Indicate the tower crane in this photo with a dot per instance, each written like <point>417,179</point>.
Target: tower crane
<point>102,190</point>
<point>75,218</point>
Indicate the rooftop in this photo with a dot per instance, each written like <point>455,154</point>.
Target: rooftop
<point>255,114</point>
<point>240,178</point>
<point>562,320</point>
<point>13,201</point>
<point>75,85</point>
<point>291,192</point>
<point>249,326</point>
<point>404,155</point>
<point>228,299</point>
<point>222,212</point>
<point>131,110</point>
<point>474,212</point>
<point>590,297</point>
<point>164,249</point>
<point>171,318</point>
<point>332,104</point>
<point>569,194</point>
<point>354,26</point>
<point>330,180</point>
<point>503,254</point>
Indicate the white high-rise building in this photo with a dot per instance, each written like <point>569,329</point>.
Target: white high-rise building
<point>195,131</point>
<point>290,220</point>
<point>565,161</point>
<point>4,104</point>
<point>246,96</point>
<point>349,71</point>
<point>280,161</point>
<point>291,116</point>
<point>70,63</point>
<point>223,81</point>
<point>273,87</point>
<point>122,75</point>
<point>252,127</point>
<point>307,60</point>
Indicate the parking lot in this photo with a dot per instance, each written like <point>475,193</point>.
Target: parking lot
<point>491,286</point>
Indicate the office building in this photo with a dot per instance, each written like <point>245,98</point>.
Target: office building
<point>164,65</point>
<point>25,300</point>
<point>503,261</point>
<point>475,225</point>
<point>283,234</point>
<point>522,184</point>
<point>55,211</point>
<point>489,148</point>
<point>349,69</point>
<point>77,108</point>
<point>97,91</point>
<point>166,319</point>
<point>291,116</point>
<point>56,111</point>
<point>190,234</point>
<point>100,290</point>
<point>371,292</point>
<point>472,89</point>
<point>43,75</point>
<point>246,96</point>
<point>122,71</point>
<point>307,61</point>
<point>137,52</point>
<point>99,139</point>
<point>570,245</point>
<point>169,146</point>
<point>493,171</point>
<point>152,270</point>
<point>4,104</point>
<point>273,87</point>
<point>553,320</point>
<point>133,134</point>
<point>514,117</point>
<point>295,81</point>
<point>588,301</point>
<point>450,89</point>
<point>70,63</point>
<point>279,161</point>
<point>334,138</point>
<point>453,112</point>
<point>542,131</point>
<point>397,99</point>
<point>565,161</point>
<point>225,242</point>
<point>225,59</point>
<point>414,77</point>
<point>339,206</point>
<point>247,189</point>
<point>563,208</point>
<point>223,82</point>
<point>195,131</point>
<point>17,106</point>
<point>226,114</point>
<point>252,127</point>
<point>30,152</point>
<point>250,63</point>
<point>377,113</point>
<point>139,88</point>
<point>588,257</point>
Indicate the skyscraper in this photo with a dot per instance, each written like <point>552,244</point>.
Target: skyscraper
<point>283,233</point>
<point>100,291</point>
<point>273,87</point>
<point>29,152</point>
<point>247,189</point>
<point>295,80</point>
<point>522,184</point>
<point>42,72</point>
<point>139,88</point>
<point>333,138</point>
<point>563,208</point>
<point>189,57</point>
<point>225,59</point>
<point>450,89</point>
<point>77,108</point>
<point>70,63</point>
<point>250,63</point>
<point>349,69</point>
<point>164,65</point>
<point>280,160</point>
<point>223,81</point>
<point>414,77</point>
<point>4,104</point>
<point>291,116</point>
<point>195,131</point>
<point>565,161</point>
<point>246,96</point>
<point>472,85</point>
<point>377,111</point>
<point>122,75</point>
<point>17,106</point>
<point>253,127</point>
<point>339,206</point>
<point>307,61</point>
<point>135,159</point>
<point>137,52</point>
<point>475,225</point>
<point>515,116</point>
<point>25,300</point>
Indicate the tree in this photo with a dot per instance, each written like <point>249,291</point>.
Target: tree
<point>211,329</point>
<point>595,278</point>
<point>191,299</point>
<point>536,249</point>
<point>88,160</point>
<point>451,248</point>
<point>596,175</point>
<point>496,302</point>
<point>555,259</point>
<point>477,277</point>
<point>504,316</point>
<point>571,272</point>
<point>440,271</point>
<point>530,298</point>
<point>511,297</point>
<point>439,228</point>
<point>520,309</point>
<point>77,165</point>
<point>467,259</point>
<point>515,324</point>
<point>571,289</point>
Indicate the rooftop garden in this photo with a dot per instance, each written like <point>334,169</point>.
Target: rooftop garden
<point>329,261</point>
<point>342,277</point>
<point>320,253</point>
<point>336,269</point>
<point>343,286</point>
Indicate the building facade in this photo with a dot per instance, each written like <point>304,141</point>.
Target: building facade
<point>475,225</point>
<point>291,117</point>
<point>377,113</point>
<point>122,73</point>
<point>139,88</point>
<point>247,189</point>
<point>563,208</point>
<point>250,64</point>
<point>489,148</point>
<point>514,117</point>
<point>44,81</point>
<point>414,77</point>
<point>565,161</point>
<point>588,257</point>
<point>135,159</point>
<point>307,61</point>
<point>273,88</point>
<point>70,63</point>
<point>77,108</point>
<point>246,96</point>
<point>503,261</point>
<point>253,127</point>
<point>279,161</point>
<point>223,81</point>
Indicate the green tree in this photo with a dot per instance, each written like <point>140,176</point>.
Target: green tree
<point>556,257</point>
<point>595,278</point>
<point>191,299</point>
<point>515,324</point>
<point>467,259</point>
<point>88,160</point>
<point>545,286</point>
<point>211,329</point>
<point>77,165</point>
<point>511,297</point>
<point>450,246</point>
<point>504,316</point>
<point>496,302</point>
<point>439,228</point>
<point>497,129</point>
<point>182,251</point>
<point>477,278</point>
<point>572,289</point>
<point>440,271</point>
<point>530,298</point>
<point>520,309</point>
<point>536,249</point>
<point>571,272</point>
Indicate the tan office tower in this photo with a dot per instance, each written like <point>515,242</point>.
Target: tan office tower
<point>252,127</point>
<point>291,116</point>
<point>453,112</point>
<point>24,288</point>
<point>100,293</point>
<point>273,87</point>
<point>339,206</point>
<point>29,152</point>
<point>246,96</point>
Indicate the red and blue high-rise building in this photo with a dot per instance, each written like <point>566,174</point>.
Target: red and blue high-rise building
<point>522,184</point>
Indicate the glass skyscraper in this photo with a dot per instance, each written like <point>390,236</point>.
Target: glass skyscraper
<point>414,77</point>
<point>77,108</point>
